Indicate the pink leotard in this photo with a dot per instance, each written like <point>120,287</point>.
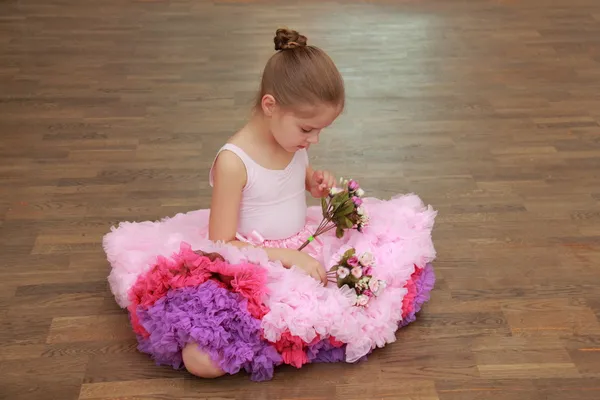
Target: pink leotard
<point>273,201</point>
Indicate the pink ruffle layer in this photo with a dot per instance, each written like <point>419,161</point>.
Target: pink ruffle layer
<point>399,235</point>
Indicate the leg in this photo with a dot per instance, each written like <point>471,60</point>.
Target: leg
<point>199,363</point>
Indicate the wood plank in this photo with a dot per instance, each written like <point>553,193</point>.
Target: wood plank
<point>89,328</point>
<point>545,370</point>
<point>487,110</point>
<point>36,378</point>
<point>493,389</point>
<point>148,387</point>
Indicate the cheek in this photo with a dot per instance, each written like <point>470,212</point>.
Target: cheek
<point>282,130</point>
<point>289,131</point>
<point>291,126</point>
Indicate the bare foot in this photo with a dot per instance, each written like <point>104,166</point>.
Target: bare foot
<point>199,363</point>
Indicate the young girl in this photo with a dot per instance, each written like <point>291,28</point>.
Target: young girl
<point>261,174</point>
<point>260,178</point>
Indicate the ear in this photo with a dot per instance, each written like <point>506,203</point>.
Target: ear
<point>268,105</point>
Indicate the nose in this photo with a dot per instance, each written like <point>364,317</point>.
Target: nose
<point>314,138</point>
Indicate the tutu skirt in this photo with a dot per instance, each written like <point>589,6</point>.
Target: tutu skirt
<point>250,313</point>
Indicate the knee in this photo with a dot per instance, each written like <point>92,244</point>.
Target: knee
<point>199,363</point>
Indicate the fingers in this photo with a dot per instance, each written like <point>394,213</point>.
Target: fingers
<point>318,176</point>
<point>326,182</point>
<point>323,276</point>
<point>319,276</point>
<point>330,181</point>
<point>315,276</point>
<point>318,272</point>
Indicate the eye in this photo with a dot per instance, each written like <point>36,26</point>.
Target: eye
<point>306,130</point>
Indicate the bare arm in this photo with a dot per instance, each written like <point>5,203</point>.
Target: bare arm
<point>229,178</point>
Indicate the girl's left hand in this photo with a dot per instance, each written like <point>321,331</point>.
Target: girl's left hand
<point>320,183</point>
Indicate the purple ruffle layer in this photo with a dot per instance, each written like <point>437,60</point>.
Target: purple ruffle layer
<point>324,352</point>
<point>217,320</point>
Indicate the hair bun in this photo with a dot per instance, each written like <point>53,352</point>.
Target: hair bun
<point>288,39</point>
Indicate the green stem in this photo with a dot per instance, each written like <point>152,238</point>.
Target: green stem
<point>320,229</point>
<point>323,228</point>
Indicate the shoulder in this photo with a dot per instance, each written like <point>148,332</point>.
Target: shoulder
<point>229,168</point>
<point>227,160</point>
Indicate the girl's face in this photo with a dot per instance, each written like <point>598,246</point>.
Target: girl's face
<point>300,128</point>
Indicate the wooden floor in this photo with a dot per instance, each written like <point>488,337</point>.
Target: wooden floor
<point>489,110</point>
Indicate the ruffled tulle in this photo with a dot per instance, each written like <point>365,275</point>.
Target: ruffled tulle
<point>326,351</point>
<point>423,283</point>
<point>214,318</point>
<point>190,269</point>
<point>305,309</point>
<point>300,306</point>
<point>155,264</point>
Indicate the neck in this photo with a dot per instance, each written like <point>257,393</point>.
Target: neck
<point>258,126</point>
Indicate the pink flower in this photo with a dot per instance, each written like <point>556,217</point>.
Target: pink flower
<point>367,259</point>
<point>362,300</point>
<point>357,201</point>
<point>368,293</point>
<point>353,261</point>
<point>353,185</point>
<point>367,271</point>
<point>357,272</point>
<point>342,272</point>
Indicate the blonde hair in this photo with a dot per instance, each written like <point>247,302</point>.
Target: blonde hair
<point>299,74</point>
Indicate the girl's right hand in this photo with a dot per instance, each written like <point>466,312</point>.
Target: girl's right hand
<point>308,264</point>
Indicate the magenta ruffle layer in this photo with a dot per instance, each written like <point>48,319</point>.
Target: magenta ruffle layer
<point>191,298</point>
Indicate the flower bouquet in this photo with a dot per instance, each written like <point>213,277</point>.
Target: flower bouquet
<point>355,272</point>
<point>342,209</point>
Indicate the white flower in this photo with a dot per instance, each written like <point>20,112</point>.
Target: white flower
<point>366,259</point>
<point>342,272</point>
<point>357,272</point>
<point>360,192</point>
<point>362,300</point>
<point>374,286</point>
<point>360,210</point>
<point>382,285</point>
<point>335,190</point>
<point>364,220</point>
<point>363,283</point>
